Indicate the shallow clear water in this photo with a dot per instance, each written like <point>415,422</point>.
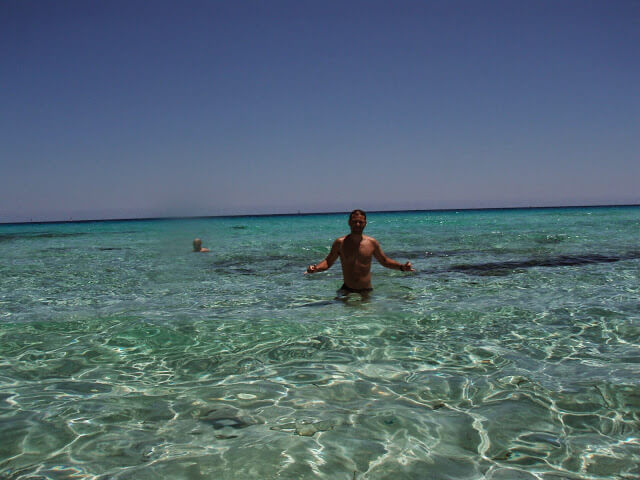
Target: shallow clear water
<point>512,353</point>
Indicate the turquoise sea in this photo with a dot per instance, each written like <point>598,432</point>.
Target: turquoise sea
<point>512,353</point>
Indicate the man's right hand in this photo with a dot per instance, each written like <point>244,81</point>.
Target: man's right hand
<point>311,269</point>
<point>407,267</point>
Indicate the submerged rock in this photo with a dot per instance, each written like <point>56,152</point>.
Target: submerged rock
<point>307,429</point>
<point>226,417</point>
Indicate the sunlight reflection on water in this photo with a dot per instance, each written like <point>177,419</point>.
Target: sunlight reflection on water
<point>124,355</point>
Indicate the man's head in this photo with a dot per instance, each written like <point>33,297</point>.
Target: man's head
<point>197,244</point>
<point>357,221</point>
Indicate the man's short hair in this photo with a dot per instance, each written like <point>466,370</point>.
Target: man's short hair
<point>357,210</point>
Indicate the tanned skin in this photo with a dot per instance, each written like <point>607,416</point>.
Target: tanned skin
<point>355,252</point>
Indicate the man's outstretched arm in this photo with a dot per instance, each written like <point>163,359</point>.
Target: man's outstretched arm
<point>389,262</point>
<point>327,262</point>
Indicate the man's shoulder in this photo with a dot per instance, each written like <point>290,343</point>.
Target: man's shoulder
<point>367,238</point>
<point>337,245</point>
<point>338,242</point>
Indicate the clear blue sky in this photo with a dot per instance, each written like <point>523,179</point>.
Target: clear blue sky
<point>150,108</point>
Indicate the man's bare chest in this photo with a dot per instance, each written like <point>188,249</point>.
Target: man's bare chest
<point>361,252</point>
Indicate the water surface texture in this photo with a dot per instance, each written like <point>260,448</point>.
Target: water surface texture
<point>512,353</point>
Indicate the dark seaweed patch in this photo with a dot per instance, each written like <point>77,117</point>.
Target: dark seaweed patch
<point>6,237</point>
<point>504,268</point>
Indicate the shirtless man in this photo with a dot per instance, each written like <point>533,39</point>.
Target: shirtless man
<point>355,251</point>
<point>197,246</point>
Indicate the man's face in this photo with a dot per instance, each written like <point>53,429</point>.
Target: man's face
<point>357,222</point>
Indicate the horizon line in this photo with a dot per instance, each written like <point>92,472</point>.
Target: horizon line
<point>249,215</point>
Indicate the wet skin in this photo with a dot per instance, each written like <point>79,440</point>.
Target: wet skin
<point>355,252</point>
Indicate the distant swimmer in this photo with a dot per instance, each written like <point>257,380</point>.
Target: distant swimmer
<point>355,251</point>
<point>197,246</point>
